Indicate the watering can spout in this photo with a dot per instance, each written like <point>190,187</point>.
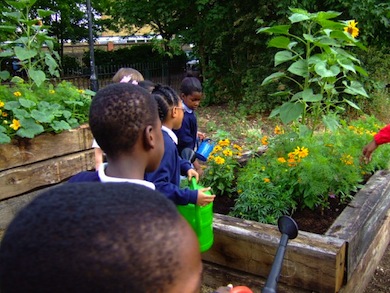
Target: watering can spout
<point>205,149</point>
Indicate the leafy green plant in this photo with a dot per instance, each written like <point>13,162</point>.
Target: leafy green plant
<point>31,45</point>
<point>26,113</point>
<point>221,167</point>
<point>303,170</point>
<point>324,72</point>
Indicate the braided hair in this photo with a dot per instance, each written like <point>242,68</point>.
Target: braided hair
<point>166,98</point>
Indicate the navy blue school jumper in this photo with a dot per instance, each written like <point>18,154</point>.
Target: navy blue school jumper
<point>167,176</point>
<point>187,134</point>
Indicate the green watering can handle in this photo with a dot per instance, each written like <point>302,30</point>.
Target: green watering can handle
<point>198,218</point>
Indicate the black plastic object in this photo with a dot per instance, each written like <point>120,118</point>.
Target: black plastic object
<point>188,154</point>
<point>289,229</point>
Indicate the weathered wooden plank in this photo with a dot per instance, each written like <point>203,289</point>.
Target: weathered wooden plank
<point>215,276</point>
<point>312,261</point>
<point>23,179</point>
<point>365,268</point>
<point>45,146</point>
<point>10,207</point>
<point>359,223</point>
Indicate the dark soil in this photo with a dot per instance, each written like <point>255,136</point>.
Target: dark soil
<point>315,221</point>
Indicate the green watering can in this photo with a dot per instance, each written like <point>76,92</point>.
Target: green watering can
<point>200,219</point>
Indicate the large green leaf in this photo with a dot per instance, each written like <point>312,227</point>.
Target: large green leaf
<point>42,116</point>
<point>283,56</point>
<point>322,70</point>
<point>29,128</point>
<point>355,88</point>
<point>346,64</point>
<point>43,13</point>
<point>331,122</point>
<point>273,77</point>
<point>4,138</point>
<point>299,68</point>
<point>38,76</point>
<point>25,54</point>
<point>298,17</point>
<point>352,104</point>
<point>4,75</point>
<point>309,96</point>
<point>279,42</point>
<point>278,29</point>
<point>26,103</point>
<point>290,111</point>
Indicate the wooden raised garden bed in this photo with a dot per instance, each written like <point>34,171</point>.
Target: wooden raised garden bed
<point>341,260</point>
<point>29,165</point>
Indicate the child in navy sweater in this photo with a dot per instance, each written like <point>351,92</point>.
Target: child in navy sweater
<point>167,176</point>
<point>125,123</point>
<point>191,94</point>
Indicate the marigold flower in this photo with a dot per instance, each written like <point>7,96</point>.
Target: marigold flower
<point>52,91</point>
<point>15,124</point>
<point>17,94</point>
<point>228,153</point>
<point>352,29</point>
<point>219,160</point>
<point>301,152</point>
<point>291,155</point>
<point>81,91</point>
<point>347,159</point>
<point>267,180</point>
<point>4,114</point>
<point>278,130</point>
<point>281,160</point>
<point>264,140</point>
<point>1,104</point>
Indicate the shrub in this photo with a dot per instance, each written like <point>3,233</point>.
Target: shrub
<point>301,170</point>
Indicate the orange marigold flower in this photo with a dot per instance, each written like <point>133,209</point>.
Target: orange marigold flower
<point>278,130</point>
<point>267,180</point>
<point>281,160</point>
<point>264,140</point>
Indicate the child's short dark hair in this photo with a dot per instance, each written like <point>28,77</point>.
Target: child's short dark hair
<point>118,114</point>
<point>166,98</point>
<point>92,237</point>
<point>190,85</point>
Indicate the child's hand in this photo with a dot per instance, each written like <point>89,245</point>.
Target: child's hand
<point>201,135</point>
<point>203,198</point>
<point>192,173</point>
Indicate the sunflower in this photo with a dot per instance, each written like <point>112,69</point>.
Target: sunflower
<point>352,29</point>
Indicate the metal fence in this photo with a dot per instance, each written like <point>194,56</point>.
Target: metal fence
<point>166,72</point>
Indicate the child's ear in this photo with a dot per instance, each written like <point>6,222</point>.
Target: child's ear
<point>149,137</point>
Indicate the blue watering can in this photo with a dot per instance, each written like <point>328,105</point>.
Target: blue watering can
<point>204,149</point>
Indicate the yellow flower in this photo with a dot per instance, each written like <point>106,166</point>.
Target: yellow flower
<point>264,140</point>
<point>17,94</point>
<point>1,104</point>
<point>81,91</point>
<point>301,152</point>
<point>281,160</point>
<point>237,147</point>
<point>216,149</point>
<point>267,180</point>
<point>4,114</point>
<point>52,91</point>
<point>347,159</point>
<point>219,160</point>
<point>227,153</point>
<point>291,162</point>
<point>224,142</point>
<point>15,124</point>
<point>352,29</point>
<point>278,130</point>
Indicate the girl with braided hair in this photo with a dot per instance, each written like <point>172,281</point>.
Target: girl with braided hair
<point>167,177</point>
